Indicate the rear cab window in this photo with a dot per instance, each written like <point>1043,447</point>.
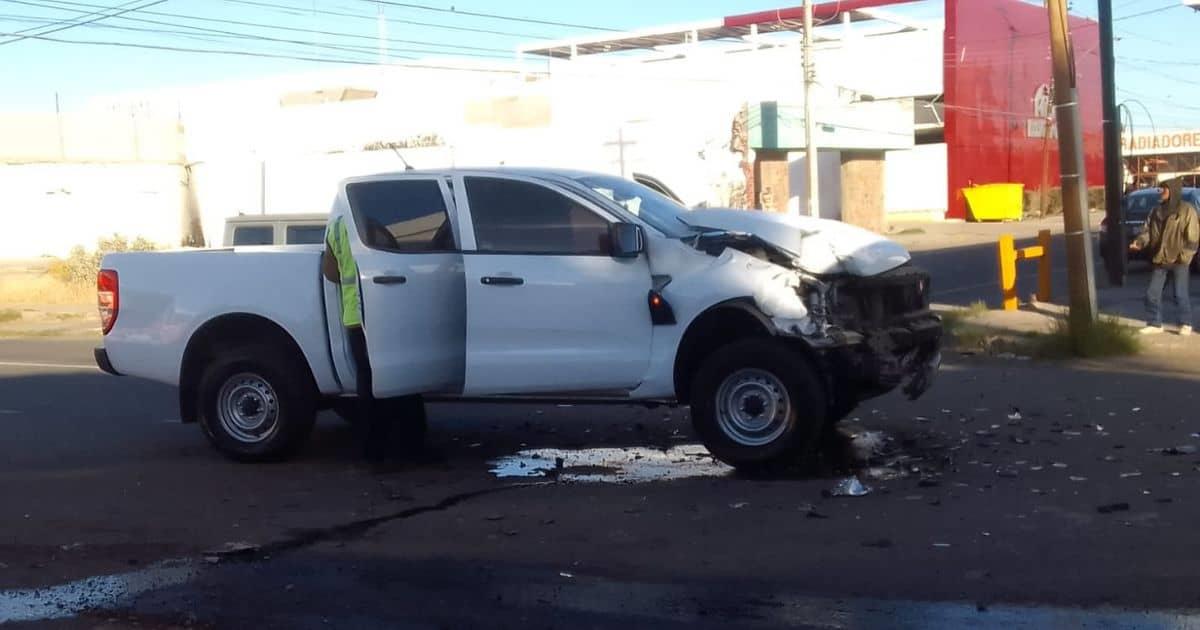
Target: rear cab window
<point>403,216</point>
<point>305,234</point>
<point>253,235</point>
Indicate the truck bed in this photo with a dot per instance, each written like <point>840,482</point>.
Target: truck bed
<point>165,297</point>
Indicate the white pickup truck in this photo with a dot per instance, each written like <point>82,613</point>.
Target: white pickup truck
<point>533,284</point>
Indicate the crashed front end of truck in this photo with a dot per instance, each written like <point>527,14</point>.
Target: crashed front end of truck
<point>877,331</point>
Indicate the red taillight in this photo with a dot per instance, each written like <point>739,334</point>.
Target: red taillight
<point>108,298</point>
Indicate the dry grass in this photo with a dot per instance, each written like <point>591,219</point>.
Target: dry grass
<point>1108,337</point>
<point>42,289</point>
<point>9,315</point>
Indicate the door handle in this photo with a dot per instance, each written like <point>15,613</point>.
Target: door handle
<point>389,280</point>
<point>505,281</point>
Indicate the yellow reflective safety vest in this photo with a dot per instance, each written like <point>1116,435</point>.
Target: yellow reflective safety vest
<point>337,239</point>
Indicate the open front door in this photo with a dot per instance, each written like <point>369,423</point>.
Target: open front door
<point>411,274</point>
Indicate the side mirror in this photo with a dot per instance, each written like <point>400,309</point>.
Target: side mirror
<point>628,241</point>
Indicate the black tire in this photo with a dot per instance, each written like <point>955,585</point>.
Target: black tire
<point>250,383</point>
<point>739,371</point>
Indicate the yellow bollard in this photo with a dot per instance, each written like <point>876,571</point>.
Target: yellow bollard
<point>1044,266</point>
<point>1009,255</point>
<point>1008,272</point>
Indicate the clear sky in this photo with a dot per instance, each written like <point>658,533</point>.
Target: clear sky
<point>1156,51</point>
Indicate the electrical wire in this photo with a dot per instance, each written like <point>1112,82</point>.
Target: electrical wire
<point>20,37</point>
<point>292,10</point>
<point>247,53</point>
<point>72,19</point>
<point>491,16</point>
<point>276,27</point>
<point>263,38</point>
<point>1159,10</point>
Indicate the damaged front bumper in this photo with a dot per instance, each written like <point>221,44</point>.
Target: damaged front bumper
<point>882,335</point>
<point>907,353</point>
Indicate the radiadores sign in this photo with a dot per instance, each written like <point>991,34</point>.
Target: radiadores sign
<point>1169,142</point>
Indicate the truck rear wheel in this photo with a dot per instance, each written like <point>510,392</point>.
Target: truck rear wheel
<point>758,405</point>
<point>255,406</point>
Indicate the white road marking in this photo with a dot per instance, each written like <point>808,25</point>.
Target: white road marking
<point>56,366</point>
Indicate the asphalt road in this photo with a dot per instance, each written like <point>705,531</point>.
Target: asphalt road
<point>964,275</point>
<point>984,513</point>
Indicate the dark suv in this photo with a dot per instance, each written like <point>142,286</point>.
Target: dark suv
<point>1138,205</point>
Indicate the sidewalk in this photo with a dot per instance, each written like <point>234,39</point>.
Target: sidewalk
<point>923,236</point>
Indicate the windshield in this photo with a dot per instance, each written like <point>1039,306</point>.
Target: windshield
<point>657,210</point>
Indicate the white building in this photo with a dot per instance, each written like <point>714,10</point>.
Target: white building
<point>667,109</point>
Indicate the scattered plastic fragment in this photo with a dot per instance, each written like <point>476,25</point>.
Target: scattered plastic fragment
<point>1186,449</point>
<point>739,505</point>
<point>941,545</point>
<point>1129,475</point>
<point>1074,478</point>
<point>848,487</point>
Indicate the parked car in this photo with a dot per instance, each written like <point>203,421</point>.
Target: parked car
<point>530,284</point>
<point>275,229</point>
<point>1137,206</point>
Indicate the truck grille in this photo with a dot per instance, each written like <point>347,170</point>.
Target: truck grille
<point>879,300</point>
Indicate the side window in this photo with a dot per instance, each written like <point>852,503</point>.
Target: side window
<point>402,215</point>
<point>257,235</point>
<point>305,234</point>
<point>520,217</point>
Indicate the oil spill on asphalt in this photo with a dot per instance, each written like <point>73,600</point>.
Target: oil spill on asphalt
<point>612,465</point>
<point>98,592</point>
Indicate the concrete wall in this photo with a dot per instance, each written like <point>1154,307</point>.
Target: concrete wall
<point>829,185</point>
<point>89,137</point>
<point>51,207</point>
<point>915,180</point>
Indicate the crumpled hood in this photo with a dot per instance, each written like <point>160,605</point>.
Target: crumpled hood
<point>821,246</point>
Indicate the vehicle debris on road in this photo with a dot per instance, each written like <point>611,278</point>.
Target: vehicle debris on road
<point>848,487</point>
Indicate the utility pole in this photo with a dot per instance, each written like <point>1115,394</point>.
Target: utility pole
<point>810,141</point>
<point>382,34</point>
<point>1113,170</point>
<point>1080,275</point>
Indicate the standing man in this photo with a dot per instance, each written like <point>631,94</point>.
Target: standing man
<point>337,265</point>
<point>1171,237</point>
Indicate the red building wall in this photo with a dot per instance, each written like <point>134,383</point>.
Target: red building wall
<point>997,56</point>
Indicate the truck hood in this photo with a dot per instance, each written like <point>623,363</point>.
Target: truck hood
<point>818,246</point>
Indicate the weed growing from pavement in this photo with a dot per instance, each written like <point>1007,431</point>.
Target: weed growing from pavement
<point>1108,337</point>
<point>957,324</point>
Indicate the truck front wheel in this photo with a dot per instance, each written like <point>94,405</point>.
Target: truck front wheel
<point>254,406</point>
<point>757,405</point>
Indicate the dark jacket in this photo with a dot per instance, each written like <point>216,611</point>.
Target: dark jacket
<point>1172,230</point>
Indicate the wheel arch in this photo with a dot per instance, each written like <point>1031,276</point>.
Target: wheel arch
<point>719,325</point>
<point>229,331</point>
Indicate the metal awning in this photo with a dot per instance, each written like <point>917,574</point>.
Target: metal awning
<point>654,38</point>
<point>737,27</point>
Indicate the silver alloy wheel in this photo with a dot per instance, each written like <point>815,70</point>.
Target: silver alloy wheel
<point>753,407</point>
<point>248,408</point>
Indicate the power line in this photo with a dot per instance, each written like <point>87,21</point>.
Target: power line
<point>292,10</point>
<point>1158,10</point>
<point>225,36</point>
<point>247,53</point>
<point>492,16</point>
<point>20,37</point>
<point>276,27</point>
<point>72,19</point>
<point>264,38</point>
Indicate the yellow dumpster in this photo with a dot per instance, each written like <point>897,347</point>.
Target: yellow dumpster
<point>995,202</point>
